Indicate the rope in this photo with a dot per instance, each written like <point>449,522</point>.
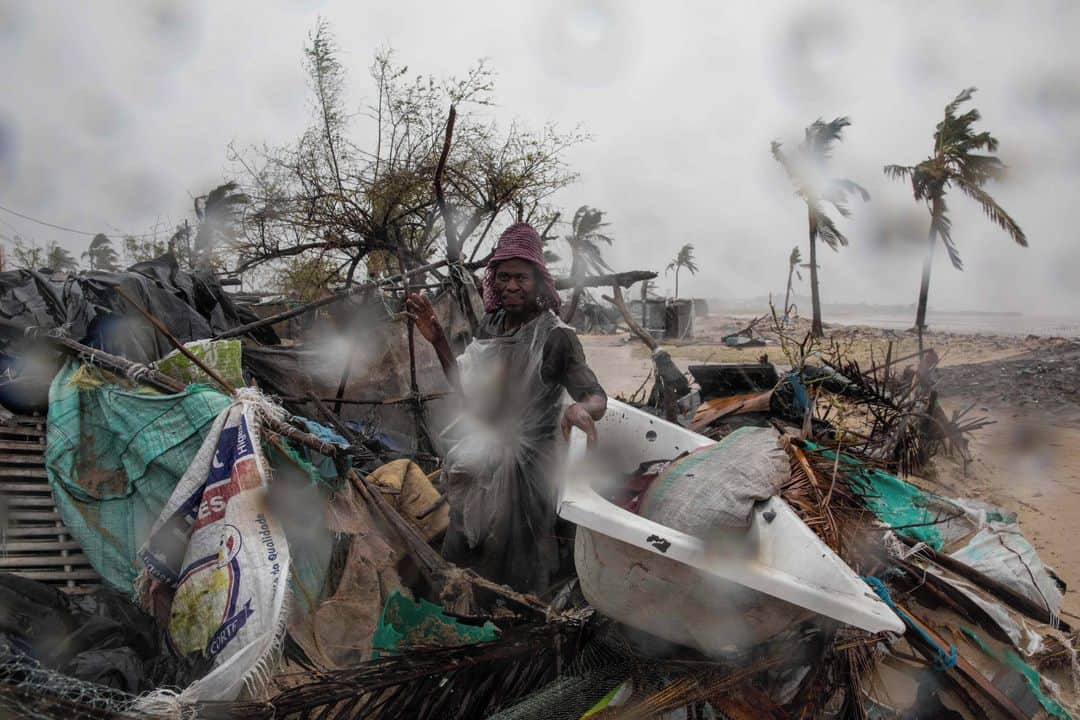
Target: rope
<point>943,660</point>
<point>136,372</point>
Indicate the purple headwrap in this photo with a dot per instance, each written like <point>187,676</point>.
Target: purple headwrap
<point>521,242</point>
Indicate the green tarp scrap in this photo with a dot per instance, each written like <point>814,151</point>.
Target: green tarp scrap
<point>1031,675</point>
<point>114,457</point>
<point>911,512</point>
<point>222,356</point>
<point>407,623</point>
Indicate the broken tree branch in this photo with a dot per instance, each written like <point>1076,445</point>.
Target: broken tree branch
<point>623,279</point>
<point>453,247</point>
<point>620,303</point>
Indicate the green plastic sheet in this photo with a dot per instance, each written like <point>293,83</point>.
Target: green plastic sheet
<point>911,512</point>
<point>405,623</point>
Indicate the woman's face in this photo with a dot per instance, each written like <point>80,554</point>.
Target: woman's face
<point>516,286</point>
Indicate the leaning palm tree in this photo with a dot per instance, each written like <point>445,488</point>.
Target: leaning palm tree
<point>806,168</point>
<point>59,259</point>
<point>953,163</point>
<point>685,259</point>
<point>794,260</point>
<point>219,214</point>
<point>100,254</point>
<point>586,257</point>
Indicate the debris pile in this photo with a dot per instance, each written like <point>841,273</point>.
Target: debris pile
<point>263,520</point>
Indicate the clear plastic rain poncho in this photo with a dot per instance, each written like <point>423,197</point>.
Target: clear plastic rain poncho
<point>502,454</point>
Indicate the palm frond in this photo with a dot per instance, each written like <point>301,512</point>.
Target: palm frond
<point>586,221</point>
<point>942,225</point>
<point>795,257</point>
<point>828,232</point>
<point>899,172</point>
<point>780,157</point>
<point>981,168</point>
<point>821,135</point>
<point>995,212</point>
<point>844,187</point>
<point>965,95</point>
<point>467,681</point>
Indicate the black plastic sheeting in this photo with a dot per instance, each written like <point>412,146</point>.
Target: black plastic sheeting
<point>100,638</point>
<point>87,308</point>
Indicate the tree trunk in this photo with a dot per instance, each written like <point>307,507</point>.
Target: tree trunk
<point>676,282</point>
<point>576,271</point>
<point>644,300</point>
<point>787,293</point>
<point>924,287</point>
<point>816,329</point>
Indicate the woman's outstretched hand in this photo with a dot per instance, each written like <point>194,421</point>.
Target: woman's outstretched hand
<point>576,416</point>
<point>419,308</point>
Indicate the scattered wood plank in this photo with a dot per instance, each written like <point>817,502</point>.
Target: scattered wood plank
<point>21,501</point>
<point>23,472</point>
<point>25,531</point>
<point>40,545</point>
<point>54,575</point>
<point>25,487</point>
<point>29,515</point>
<point>35,561</point>
<point>29,445</point>
<point>28,459</point>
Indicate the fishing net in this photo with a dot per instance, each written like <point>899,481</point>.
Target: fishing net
<point>28,690</point>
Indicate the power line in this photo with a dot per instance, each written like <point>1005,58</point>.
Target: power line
<point>67,229</point>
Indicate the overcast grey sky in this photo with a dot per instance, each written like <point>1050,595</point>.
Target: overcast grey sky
<point>115,113</point>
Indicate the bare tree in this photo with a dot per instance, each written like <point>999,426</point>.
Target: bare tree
<point>359,207</point>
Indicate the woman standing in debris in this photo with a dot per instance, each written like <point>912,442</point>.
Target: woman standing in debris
<point>512,377</point>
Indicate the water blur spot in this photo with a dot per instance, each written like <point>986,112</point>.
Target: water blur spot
<point>8,149</point>
<point>811,52</point>
<point>586,42</point>
<point>102,116</point>
<point>13,15</point>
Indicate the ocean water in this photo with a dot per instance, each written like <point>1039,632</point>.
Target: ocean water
<point>1017,324</point>
<point>969,323</point>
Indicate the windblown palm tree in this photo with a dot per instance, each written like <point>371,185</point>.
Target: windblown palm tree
<point>685,259</point>
<point>794,260</point>
<point>100,254</point>
<point>586,257</point>
<point>59,259</point>
<point>806,168</point>
<point>954,163</point>
<point>218,212</point>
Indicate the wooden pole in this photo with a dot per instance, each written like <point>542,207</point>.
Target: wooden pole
<point>335,297</point>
